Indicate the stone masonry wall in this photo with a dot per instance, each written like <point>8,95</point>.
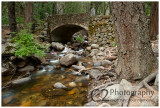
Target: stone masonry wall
<point>101,36</point>
<point>101,31</point>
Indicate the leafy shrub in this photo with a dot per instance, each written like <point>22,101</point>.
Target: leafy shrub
<point>79,38</point>
<point>26,45</point>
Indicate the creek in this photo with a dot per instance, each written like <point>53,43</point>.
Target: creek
<point>39,91</point>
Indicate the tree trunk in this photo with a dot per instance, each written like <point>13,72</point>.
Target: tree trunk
<point>104,8</point>
<point>59,8</point>
<point>154,21</point>
<point>135,56</point>
<point>110,10</point>
<point>12,17</point>
<point>53,8</point>
<point>28,13</point>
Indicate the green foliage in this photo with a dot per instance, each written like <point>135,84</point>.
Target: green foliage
<point>20,19</point>
<point>148,8</point>
<point>26,45</point>
<point>79,38</point>
<point>41,23</point>
<point>114,44</point>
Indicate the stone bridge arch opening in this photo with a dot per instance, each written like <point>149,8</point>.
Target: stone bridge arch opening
<point>64,33</point>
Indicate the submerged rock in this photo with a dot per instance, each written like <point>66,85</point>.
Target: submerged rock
<point>68,60</point>
<point>21,81</point>
<point>59,85</point>
<point>72,84</point>
<point>57,46</point>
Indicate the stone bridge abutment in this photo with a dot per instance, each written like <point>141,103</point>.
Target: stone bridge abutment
<point>62,27</point>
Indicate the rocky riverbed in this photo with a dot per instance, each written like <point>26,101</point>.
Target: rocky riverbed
<point>68,76</point>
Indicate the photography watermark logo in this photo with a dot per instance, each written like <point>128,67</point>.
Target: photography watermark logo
<point>119,93</point>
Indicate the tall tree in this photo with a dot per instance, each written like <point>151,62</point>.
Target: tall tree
<point>154,21</point>
<point>135,56</point>
<point>53,8</point>
<point>59,8</point>
<point>28,13</point>
<point>104,8</point>
<point>12,17</point>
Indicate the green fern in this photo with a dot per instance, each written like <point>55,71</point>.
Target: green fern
<point>26,45</point>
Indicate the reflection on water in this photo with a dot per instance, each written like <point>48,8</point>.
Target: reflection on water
<point>40,91</point>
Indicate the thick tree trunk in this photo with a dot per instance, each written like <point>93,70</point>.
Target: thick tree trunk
<point>135,56</point>
<point>28,14</point>
<point>12,17</point>
<point>154,21</point>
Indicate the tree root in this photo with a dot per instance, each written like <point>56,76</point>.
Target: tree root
<point>101,68</point>
<point>140,85</point>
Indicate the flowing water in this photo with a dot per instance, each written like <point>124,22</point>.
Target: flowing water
<point>39,91</point>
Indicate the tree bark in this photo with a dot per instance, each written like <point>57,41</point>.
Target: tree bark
<point>154,21</point>
<point>28,13</point>
<point>135,56</point>
<point>12,17</point>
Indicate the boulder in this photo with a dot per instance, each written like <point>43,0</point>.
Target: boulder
<point>57,46</point>
<point>93,52</point>
<point>5,71</point>
<point>94,46</point>
<point>21,64</point>
<point>78,67</point>
<point>145,104</point>
<point>155,100</point>
<point>106,63</point>
<point>26,69</point>
<point>111,58</point>
<point>92,103</point>
<point>88,48</point>
<point>94,73</point>
<point>59,85</point>
<point>126,85</point>
<point>68,60</point>
<point>98,63</point>
<point>113,92</point>
<point>104,105</point>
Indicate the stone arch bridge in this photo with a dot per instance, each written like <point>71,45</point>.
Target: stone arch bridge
<point>62,27</point>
